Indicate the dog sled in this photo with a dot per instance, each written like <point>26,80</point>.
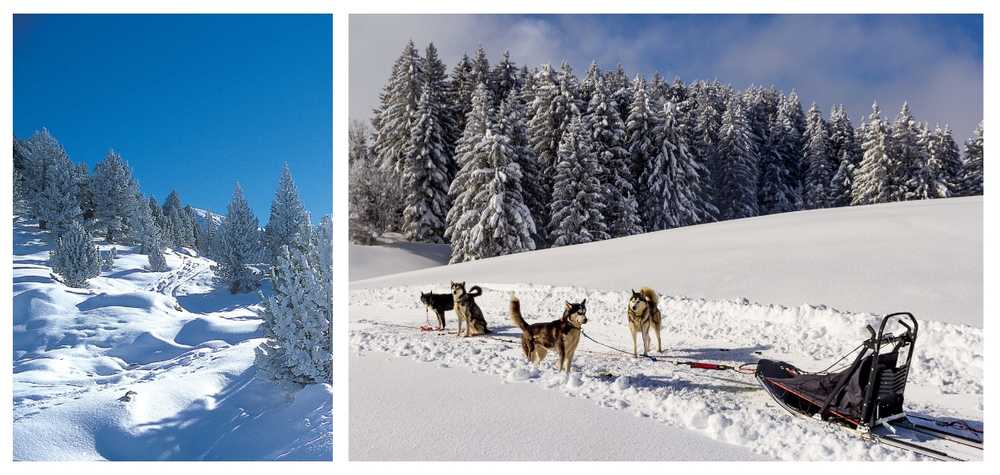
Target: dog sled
<point>866,397</point>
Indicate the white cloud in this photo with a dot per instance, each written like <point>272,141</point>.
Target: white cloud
<point>828,59</point>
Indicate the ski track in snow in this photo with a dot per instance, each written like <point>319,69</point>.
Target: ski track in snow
<point>184,346</point>
<point>945,379</point>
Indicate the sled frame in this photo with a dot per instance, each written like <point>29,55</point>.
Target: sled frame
<point>894,377</point>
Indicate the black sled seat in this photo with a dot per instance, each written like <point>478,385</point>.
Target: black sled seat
<point>862,395</point>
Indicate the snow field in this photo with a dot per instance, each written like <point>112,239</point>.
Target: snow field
<point>726,406</point>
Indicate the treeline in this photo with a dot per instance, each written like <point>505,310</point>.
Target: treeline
<point>502,159</point>
<point>74,205</point>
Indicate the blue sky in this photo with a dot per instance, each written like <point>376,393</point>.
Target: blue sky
<point>192,102</point>
<point>933,61</point>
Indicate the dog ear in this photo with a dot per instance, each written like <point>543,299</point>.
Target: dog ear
<point>584,303</point>
<point>568,305</point>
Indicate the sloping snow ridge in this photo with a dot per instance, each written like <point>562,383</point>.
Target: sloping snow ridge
<point>945,381</point>
<point>184,348</point>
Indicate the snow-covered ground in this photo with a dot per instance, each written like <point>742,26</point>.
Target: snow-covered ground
<point>925,252</point>
<point>395,256</point>
<point>185,349</point>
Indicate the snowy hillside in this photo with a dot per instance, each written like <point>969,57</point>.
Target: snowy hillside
<point>819,277</point>
<point>922,256</point>
<point>392,258</point>
<point>184,348</point>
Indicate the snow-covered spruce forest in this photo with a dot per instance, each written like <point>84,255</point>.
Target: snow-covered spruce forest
<point>499,159</point>
<point>76,206</point>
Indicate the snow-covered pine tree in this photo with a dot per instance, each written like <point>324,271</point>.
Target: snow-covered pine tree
<point>19,183</point>
<point>357,138</point>
<point>157,213</point>
<point>843,138</point>
<point>481,70</point>
<point>426,176</point>
<point>736,182</point>
<point>141,223</point>
<point>178,229</point>
<point>607,140</point>
<point>951,159</point>
<point>620,89</point>
<point>157,263</point>
<point>19,190</point>
<point>85,192</point>
<point>839,191</point>
<point>240,246</point>
<point>935,177</point>
<point>872,180</point>
<point>775,194</point>
<point>641,139</point>
<point>757,103</point>
<point>115,192</point>
<point>371,191</point>
<point>513,125</point>
<point>569,90</point>
<point>794,125</point>
<point>75,256</point>
<point>470,159</point>
<point>547,123</point>
<point>818,172</point>
<point>436,78</point>
<point>589,85</point>
<point>657,89</point>
<point>202,239</point>
<point>907,155</point>
<point>554,107</point>
<point>971,174</point>
<point>460,90</point>
<point>674,178</point>
<point>51,187</point>
<point>504,78</point>
<point>298,316</point>
<point>476,124</point>
<point>288,215</point>
<point>398,109</point>
<point>144,230</point>
<point>577,211</point>
<point>495,219</point>
<point>709,104</point>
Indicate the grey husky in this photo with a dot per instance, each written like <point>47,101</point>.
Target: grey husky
<point>467,310</point>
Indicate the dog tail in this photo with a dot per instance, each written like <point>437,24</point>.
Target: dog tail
<point>650,295</point>
<point>475,291</point>
<point>515,313</point>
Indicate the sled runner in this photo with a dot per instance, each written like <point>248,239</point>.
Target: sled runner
<point>867,396</point>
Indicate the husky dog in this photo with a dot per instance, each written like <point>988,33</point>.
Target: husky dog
<point>467,310</point>
<point>562,335</point>
<point>440,303</point>
<point>643,311</point>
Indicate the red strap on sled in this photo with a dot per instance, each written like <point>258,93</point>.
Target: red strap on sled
<point>426,328</point>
